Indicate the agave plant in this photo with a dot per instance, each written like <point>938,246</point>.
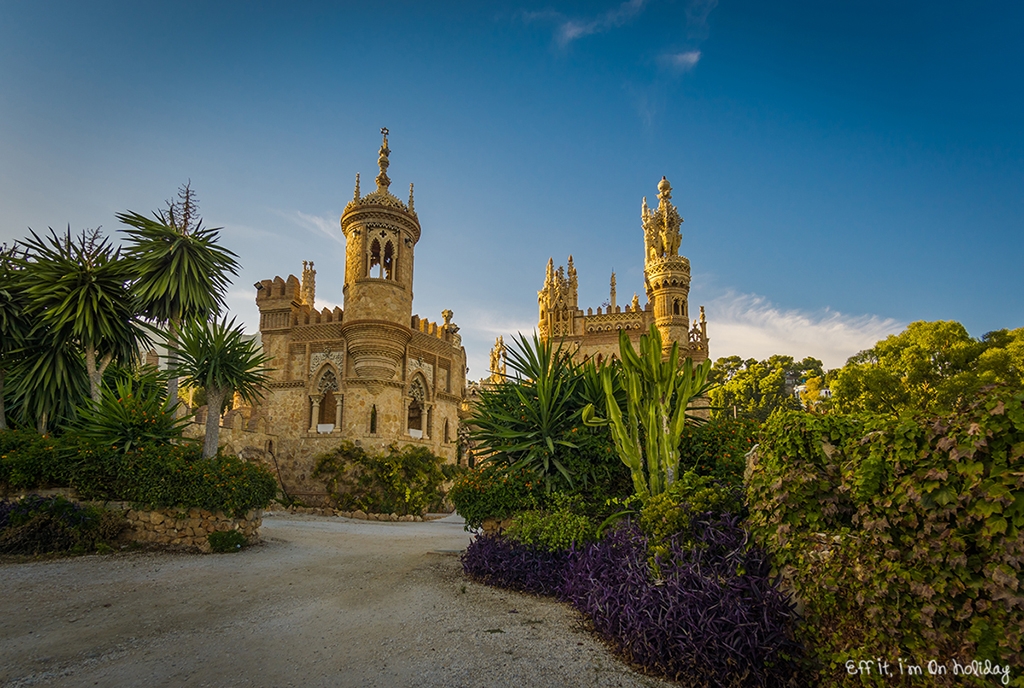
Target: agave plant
<point>525,421</point>
<point>648,426</point>
<point>134,413</point>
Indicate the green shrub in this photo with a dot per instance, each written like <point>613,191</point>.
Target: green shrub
<point>227,541</point>
<point>554,529</point>
<point>495,492</point>
<point>151,474</point>
<point>671,512</point>
<point>402,481</point>
<point>902,535</point>
<point>718,448</point>
<point>132,414</point>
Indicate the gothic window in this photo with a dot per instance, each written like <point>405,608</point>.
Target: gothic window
<point>373,419</point>
<point>328,387</point>
<point>375,259</point>
<point>389,261</point>
<point>676,310</point>
<point>418,394</point>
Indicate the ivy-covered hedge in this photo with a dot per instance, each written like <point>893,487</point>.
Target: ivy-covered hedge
<point>903,537</point>
<point>717,448</point>
<point>401,481</point>
<point>156,475</point>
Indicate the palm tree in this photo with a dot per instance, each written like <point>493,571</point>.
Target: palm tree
<point>220,358</point>
<point>13,323</point>
<point>180,271</point>
<point>76,291</point>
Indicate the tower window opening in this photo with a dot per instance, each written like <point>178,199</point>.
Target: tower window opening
<point>389,261</point>
<point>373,419</point>
<point>415,416</point>
<point>375,260</point>
<point>676,309</point>
<point>447,436</point>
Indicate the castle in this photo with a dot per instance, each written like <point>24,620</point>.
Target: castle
<point>667,283</point>
<point>373,373</point>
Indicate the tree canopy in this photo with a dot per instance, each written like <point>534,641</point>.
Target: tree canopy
<point>930,366</point>
<point>755,389</point>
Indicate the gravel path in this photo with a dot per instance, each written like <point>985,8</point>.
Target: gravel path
<point>322,602</point>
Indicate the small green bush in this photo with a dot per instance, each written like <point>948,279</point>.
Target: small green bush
<point>495,492</point>
<point>671,514</point>
<point>554,529</point>
<point>402,481</point>
<point>131,415</point>
<point>227,541</point>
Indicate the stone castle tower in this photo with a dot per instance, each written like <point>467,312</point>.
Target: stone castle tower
<point>373,373</point>
<point>667,286</point>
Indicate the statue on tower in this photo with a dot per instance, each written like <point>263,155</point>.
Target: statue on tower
<point>499,356</point>
<point>661,226</point>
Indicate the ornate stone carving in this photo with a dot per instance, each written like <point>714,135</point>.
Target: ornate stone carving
<point>415,364</point>
<point>318,359</point>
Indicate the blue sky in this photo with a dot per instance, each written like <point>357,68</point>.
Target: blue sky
<point>843,168</point>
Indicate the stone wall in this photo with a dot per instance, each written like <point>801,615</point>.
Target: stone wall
<point>188,528</point>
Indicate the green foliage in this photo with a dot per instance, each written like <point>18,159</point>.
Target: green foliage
<point>903,536</point>
<point>227,541</point>
<point>401,481</point>
<point>133,414</point>
<point>78,290</point>
<point>495,491</point>
<point>752,389</point>
<point>156,475</point>
<point>670,513</point>
<point>220,358</point>
<point>179,270</point>
<point>526,421</point>
<point>718,448</point>
<point>657,393</point>
<point>931,366</point>
<point>559,527</point>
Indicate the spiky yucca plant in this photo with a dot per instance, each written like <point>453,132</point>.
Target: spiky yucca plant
<point>220,358</point>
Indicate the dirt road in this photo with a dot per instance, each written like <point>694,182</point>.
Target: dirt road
<point>322,602</point>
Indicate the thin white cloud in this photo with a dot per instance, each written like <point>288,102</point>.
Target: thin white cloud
<point>697,18</point>
<point>479,330</point>
<point>750,326</point>
<point>568,30</point>
<point>327,226</point>
<point>680,62</point>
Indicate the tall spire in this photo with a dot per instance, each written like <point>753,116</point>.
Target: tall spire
<point>356,195</point>
<point>612,300</point>
<point>412,208</point>
<point>383,182</point>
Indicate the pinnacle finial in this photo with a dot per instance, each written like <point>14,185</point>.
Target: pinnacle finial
<point>411,206</point>
<point>355,196</point>
<point>383,182</point>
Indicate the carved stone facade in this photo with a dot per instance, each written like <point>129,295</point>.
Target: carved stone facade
<point>667,281</point>
<point>373,373</point>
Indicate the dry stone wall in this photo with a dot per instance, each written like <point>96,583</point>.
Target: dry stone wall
<point>189,528</point>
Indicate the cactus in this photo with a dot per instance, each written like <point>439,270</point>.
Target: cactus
<point>658,392</point>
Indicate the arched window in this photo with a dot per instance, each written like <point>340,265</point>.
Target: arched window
<point>447,436</point>
<point>415,419</point>
<point>328,387</point>
<point>389,261</point>
<point>375,259</point>
<point>373,419</point>
<point>675,307</point>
